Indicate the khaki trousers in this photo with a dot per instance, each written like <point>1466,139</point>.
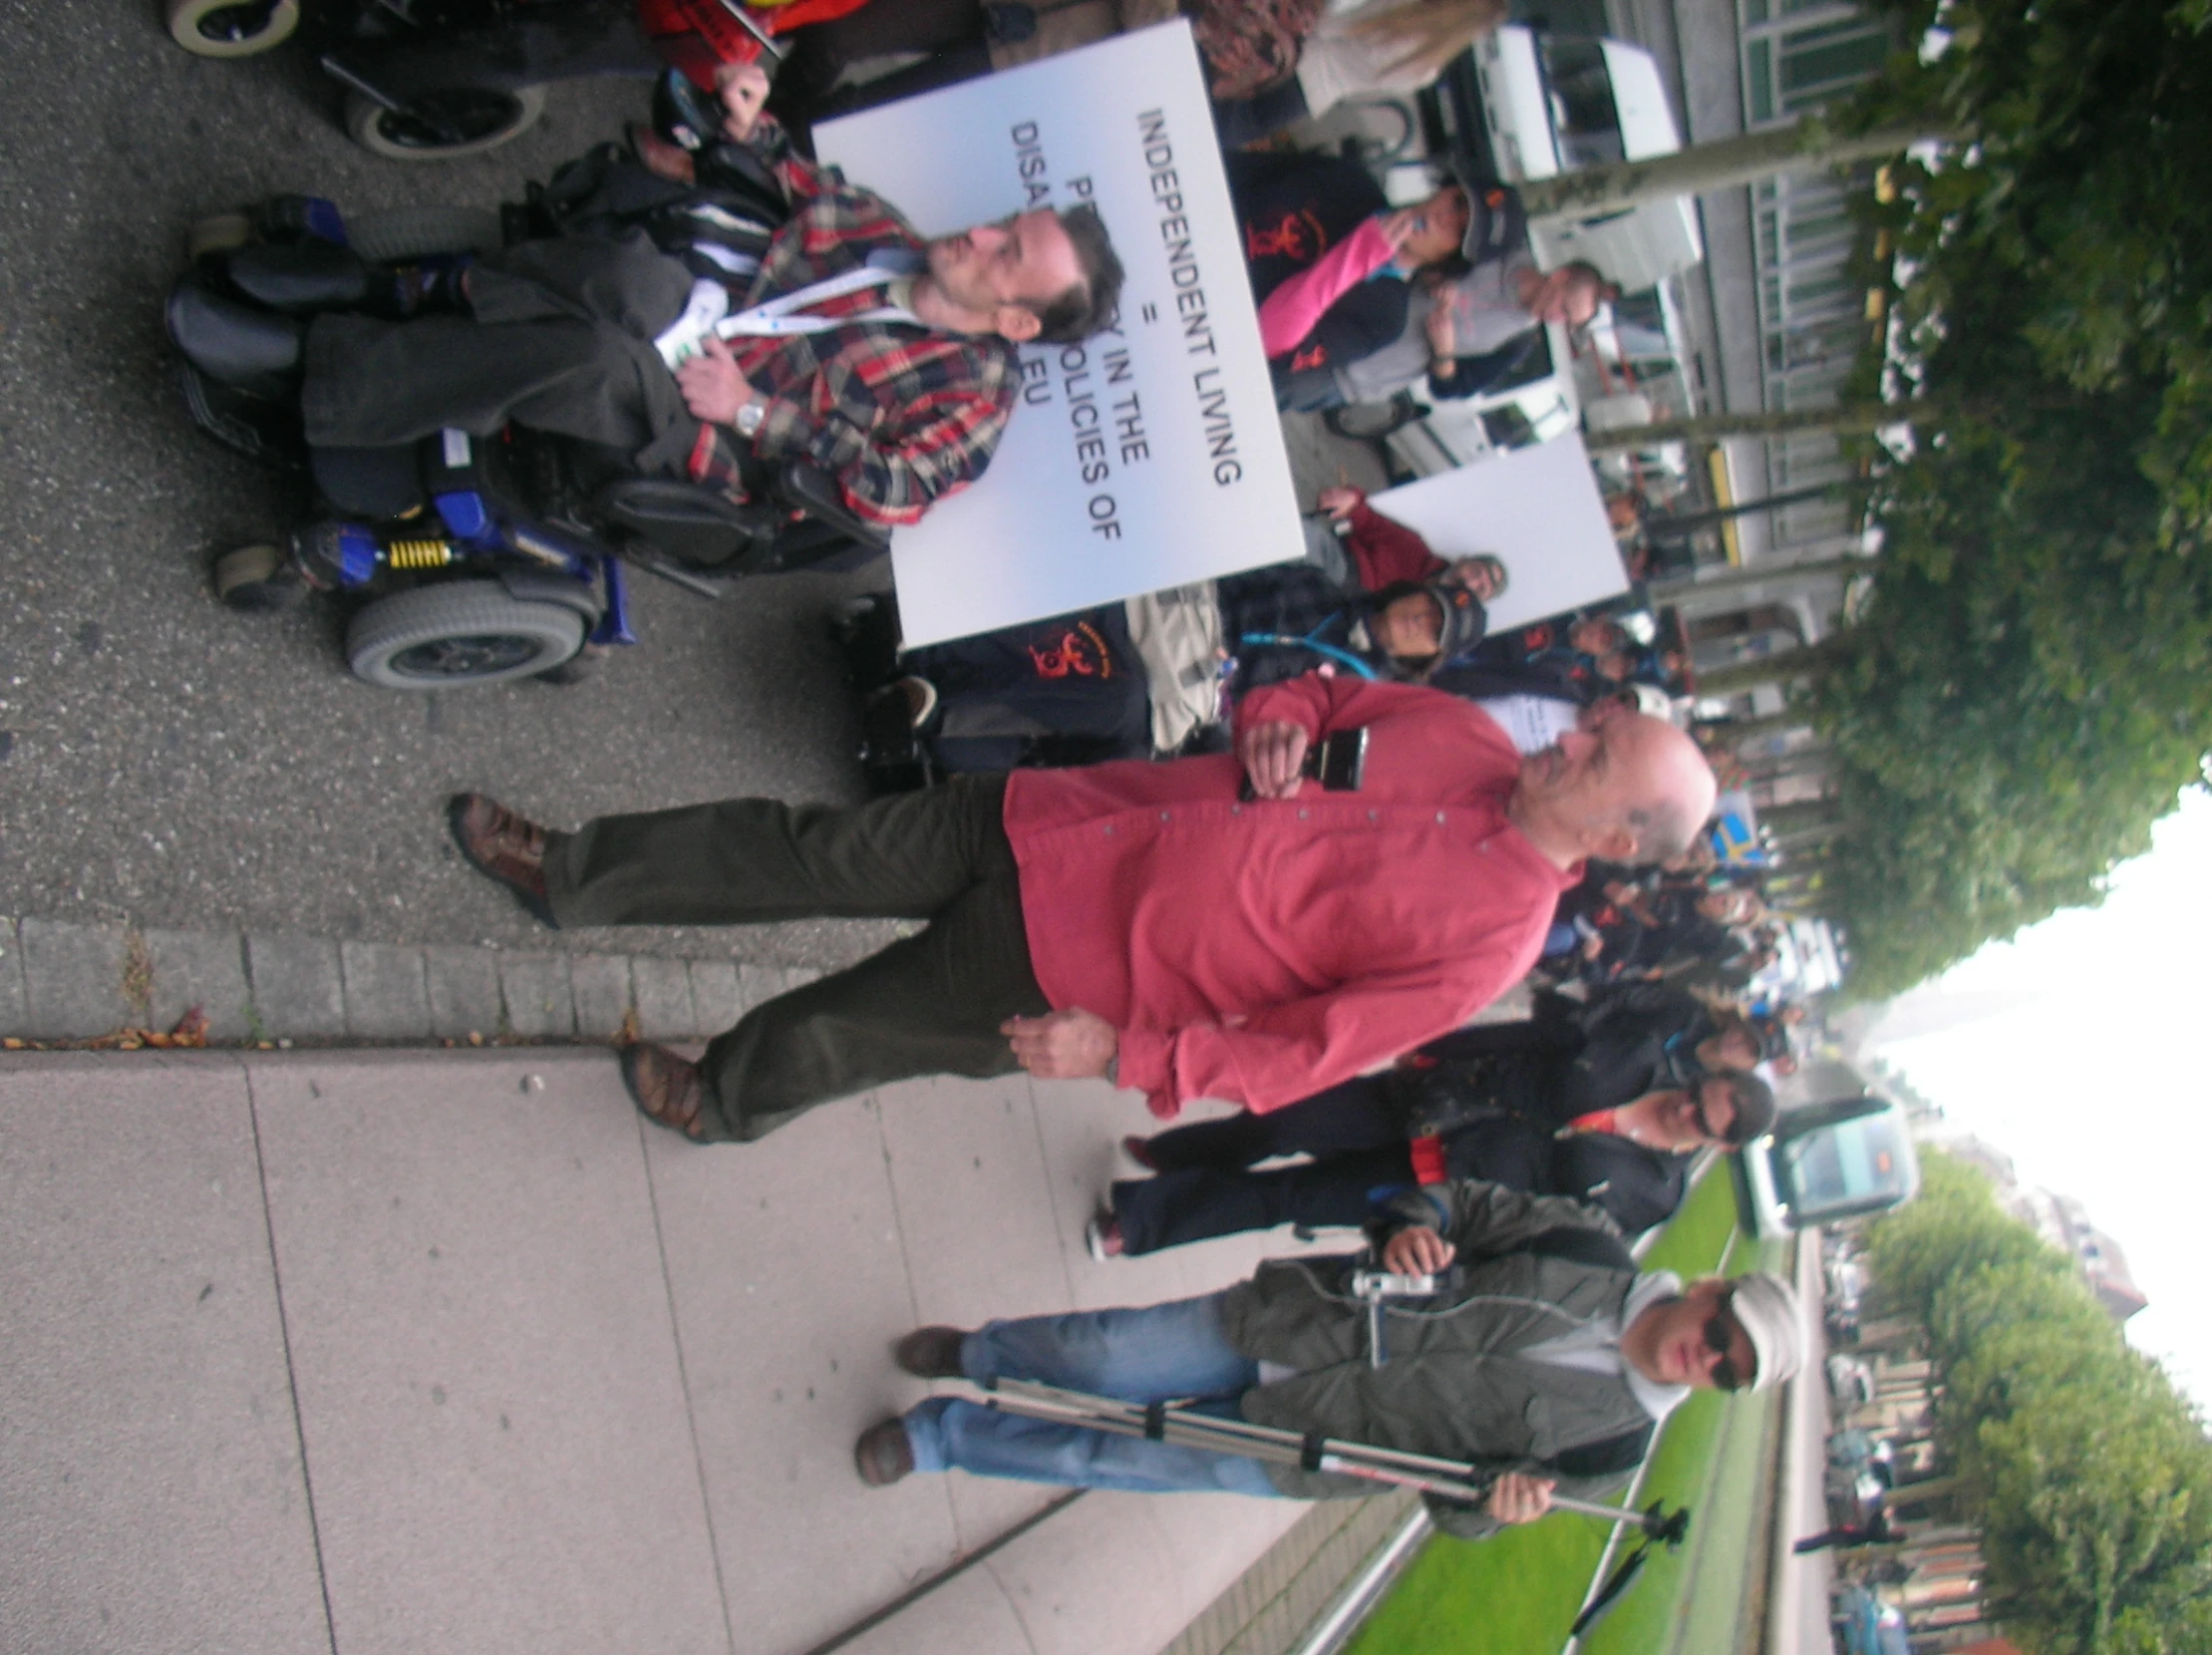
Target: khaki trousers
<point>928,1004</point>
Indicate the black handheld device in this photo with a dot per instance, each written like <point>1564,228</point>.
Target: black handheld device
<point>1338,762</point>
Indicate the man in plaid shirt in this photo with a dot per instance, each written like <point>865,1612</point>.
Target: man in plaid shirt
<point>903,406</point>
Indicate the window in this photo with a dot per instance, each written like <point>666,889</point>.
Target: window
<point>1853,1166</point>
<point>1581,101</point>
<point>1817,64</point>
<point>1758,80</point>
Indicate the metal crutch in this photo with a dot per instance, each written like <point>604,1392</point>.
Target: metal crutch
<point>1185,1427</point>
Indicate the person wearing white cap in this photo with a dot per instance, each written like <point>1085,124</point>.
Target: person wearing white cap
<point>1549,1359</point>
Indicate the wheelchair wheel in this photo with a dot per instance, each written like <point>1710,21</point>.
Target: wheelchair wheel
<point>443,126</point>
<point>231,28</point>
<point>459,633</point>
<point>397,234</point>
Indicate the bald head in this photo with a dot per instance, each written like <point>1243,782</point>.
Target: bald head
<point>1633,790</point>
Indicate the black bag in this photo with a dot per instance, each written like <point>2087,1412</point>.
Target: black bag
<point>1443,1097</point>
<point>734,211</point>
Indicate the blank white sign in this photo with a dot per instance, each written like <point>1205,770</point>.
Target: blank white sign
<point>1538,508</point>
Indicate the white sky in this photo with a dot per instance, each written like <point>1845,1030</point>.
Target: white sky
<point>2095,1087</point>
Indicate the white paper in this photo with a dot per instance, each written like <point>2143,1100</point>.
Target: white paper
<point>1538,508</point>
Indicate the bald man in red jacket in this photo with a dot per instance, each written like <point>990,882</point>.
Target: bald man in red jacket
<point>1158,925</point>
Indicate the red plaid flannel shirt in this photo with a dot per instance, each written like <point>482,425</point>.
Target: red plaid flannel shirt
<point>901,415</point>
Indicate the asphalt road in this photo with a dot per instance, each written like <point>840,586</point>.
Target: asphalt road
<point>165,762</point>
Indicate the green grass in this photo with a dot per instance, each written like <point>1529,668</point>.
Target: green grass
<point>1518,1592</point>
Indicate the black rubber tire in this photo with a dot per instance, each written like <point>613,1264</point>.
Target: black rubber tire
<point>459,633</point>
<point>395,234</point>
<point>229,29</point>
<point>257,579</point>
<point>489,118</point>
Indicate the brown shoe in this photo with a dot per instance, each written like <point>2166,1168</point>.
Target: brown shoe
<point>666,1089</point>
<point>930,1352</point>
<point>505,846</point>
<point>883,1455</point>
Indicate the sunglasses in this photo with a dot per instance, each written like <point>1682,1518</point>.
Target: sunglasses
<point>1720,1329</point>
<point>1706,1128</point>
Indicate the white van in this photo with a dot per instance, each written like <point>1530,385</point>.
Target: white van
<point>1523,103</point>
<point>1551,104</point>
<point>1826,1163</point>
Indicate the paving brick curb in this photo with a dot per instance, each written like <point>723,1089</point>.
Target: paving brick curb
<point>62,982</point>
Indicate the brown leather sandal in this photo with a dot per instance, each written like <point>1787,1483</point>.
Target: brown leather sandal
<point>666,1089</point>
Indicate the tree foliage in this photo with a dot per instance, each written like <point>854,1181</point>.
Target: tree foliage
<point>2029,685</point>
<point>2092,1477</point>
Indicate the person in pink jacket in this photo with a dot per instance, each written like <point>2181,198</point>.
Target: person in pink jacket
<point>1211,927</point>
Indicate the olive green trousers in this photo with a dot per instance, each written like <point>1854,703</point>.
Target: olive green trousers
<point>929,1004</point>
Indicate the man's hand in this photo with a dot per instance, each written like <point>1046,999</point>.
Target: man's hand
<point>1518,1498</point>
<point>1072,1045</point>
<point>1418,1251</point>
<point>1340,502</point>
<point>714,387</point>
<point>1272,754</point>
<point>1443,341</point>
<point>744,89</point>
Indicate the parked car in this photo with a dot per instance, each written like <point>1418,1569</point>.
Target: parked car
<point>1850,1380</point>
<point>1864,1625</point>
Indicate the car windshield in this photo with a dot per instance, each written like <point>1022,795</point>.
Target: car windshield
<point>1582,107</point>
<point>1852,1165</point>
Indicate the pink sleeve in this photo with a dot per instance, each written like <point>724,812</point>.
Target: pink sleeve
<point>1297,305</point>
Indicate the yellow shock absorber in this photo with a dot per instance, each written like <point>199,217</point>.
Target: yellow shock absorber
<point>419,555</point>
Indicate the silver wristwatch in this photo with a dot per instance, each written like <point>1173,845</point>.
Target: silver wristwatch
<point>750,417</point>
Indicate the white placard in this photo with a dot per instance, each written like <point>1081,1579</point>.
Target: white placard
<point>1150,456</point>
<point>1538,508</point>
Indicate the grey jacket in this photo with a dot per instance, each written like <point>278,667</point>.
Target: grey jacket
<point>1454,1385</point>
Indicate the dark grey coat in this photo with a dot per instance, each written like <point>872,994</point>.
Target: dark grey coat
<point>1454,1385</point>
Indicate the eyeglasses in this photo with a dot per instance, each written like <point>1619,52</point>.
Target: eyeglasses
<point>1706,1128</point>
<point>1720,1329</point>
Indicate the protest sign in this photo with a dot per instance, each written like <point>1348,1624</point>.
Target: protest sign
<point>1149,456</point>
<point>1538,508</point>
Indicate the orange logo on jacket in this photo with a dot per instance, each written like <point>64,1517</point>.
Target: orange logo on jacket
<point>1081,653</point>
<point>1296,235</point>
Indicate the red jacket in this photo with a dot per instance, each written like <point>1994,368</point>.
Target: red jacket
<point>698,36</point>
<point>1385,549</point>
<point>1259,952</point>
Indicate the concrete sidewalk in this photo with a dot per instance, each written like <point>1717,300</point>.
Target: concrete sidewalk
<point>380,1352</point>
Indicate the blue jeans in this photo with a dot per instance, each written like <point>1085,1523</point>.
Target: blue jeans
<point>1159,1353</point>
